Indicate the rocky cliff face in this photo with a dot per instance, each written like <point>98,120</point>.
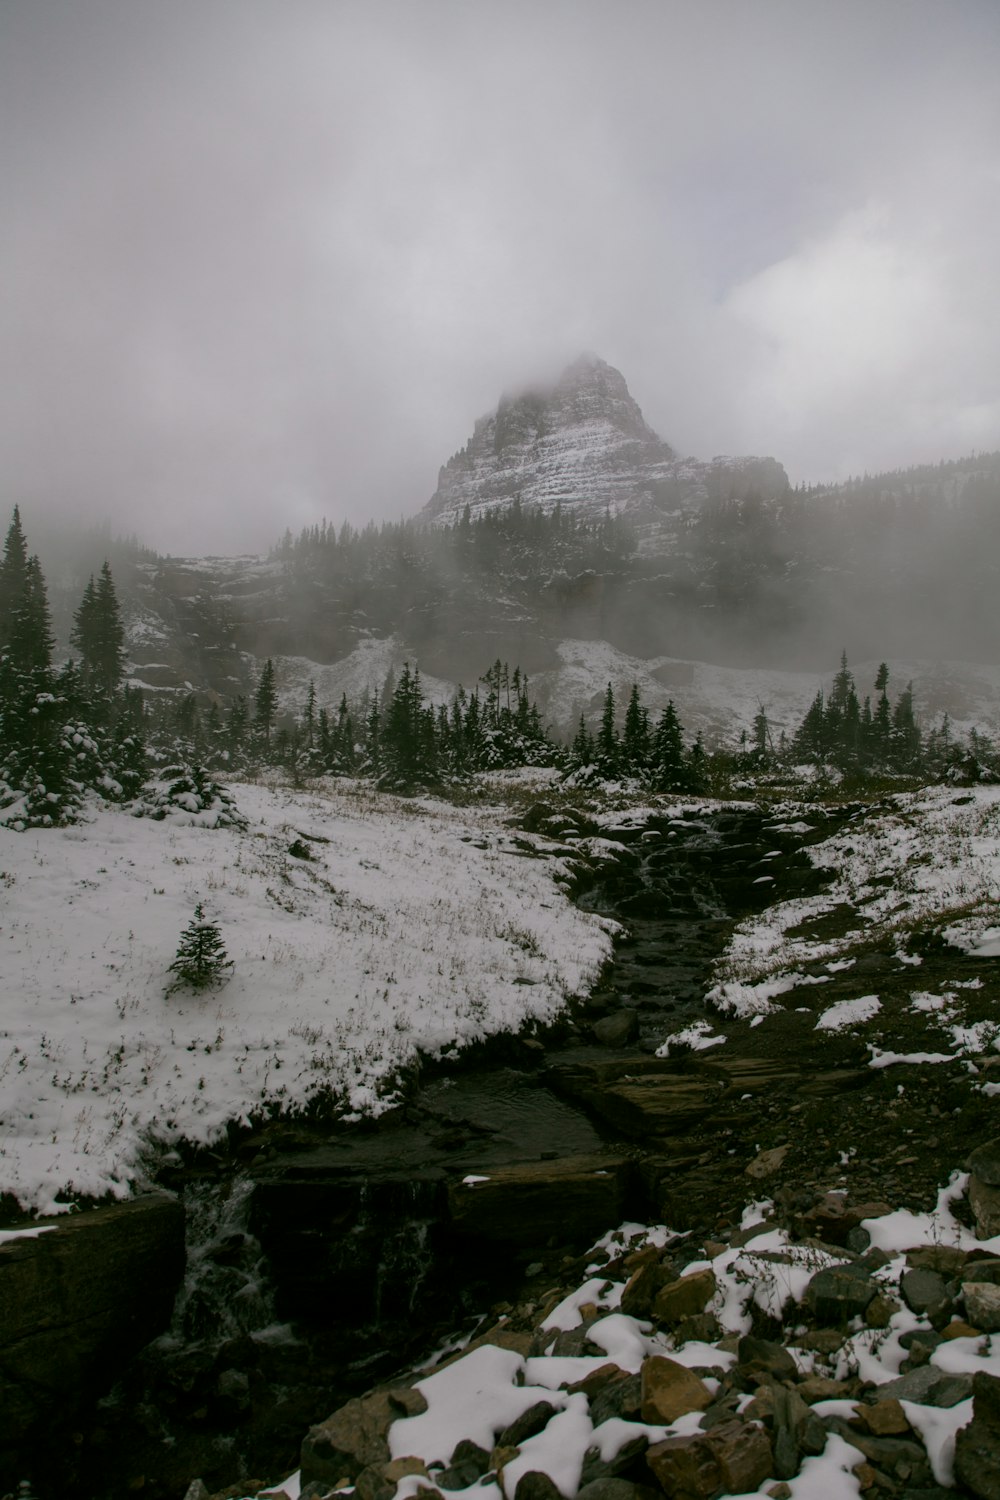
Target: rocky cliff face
<point>584,444</point>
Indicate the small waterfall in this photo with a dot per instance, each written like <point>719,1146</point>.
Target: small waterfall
<point>226,1291</point>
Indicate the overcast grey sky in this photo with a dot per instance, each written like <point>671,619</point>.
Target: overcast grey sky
<point>267,260</point>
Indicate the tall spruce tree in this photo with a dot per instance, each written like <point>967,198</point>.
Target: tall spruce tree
<point>266,704</point>
<point>99,635</point>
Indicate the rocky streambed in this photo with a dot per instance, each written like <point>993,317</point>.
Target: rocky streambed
<point>322,1258</point>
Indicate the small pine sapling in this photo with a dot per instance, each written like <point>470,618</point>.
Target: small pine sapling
<point>201,960</point>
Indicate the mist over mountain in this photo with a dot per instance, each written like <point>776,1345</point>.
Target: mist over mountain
<point>569,538</point>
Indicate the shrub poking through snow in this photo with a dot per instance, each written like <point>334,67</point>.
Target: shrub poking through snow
<point>201,961</point>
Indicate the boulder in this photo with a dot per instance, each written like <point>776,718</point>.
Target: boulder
<point>77,1301</point>
<point>685,1297</point>
<point>355,1437</point>
<point>840,1293</point>
<point>982,1304</point>
<point>669,1390</point>
<point>733,1458</point>
<point>571,1198</point>
<point>642,1287</point>
<point>926,1292</point>
<point>977,1446</point>
<point>617,1030</point>
<point>984,1199</point>
<point>984,1163</point>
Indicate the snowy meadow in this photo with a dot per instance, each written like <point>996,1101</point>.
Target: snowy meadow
<point>363,930</point>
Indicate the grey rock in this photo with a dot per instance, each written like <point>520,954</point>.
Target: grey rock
<point>595,1469</point>
<point>617,1030</point>
<point>840,1293</point>
<point>977,1446</point>
<point>986,1269</point>
<point>615,1489</point>
<point>78,1301</point>
<point>536,1486</point>
<point>982,1304</point>
<point>621,1398</point>
<point>985,1202</point>
<point>984,1162</point>
<point>760,1356</point>
<point>929,1386</point>
<point>926,1292</point>
<point>527,1424</point>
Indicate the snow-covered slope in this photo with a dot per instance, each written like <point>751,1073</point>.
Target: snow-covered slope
<point>583,445</point>
<point>396,926</point>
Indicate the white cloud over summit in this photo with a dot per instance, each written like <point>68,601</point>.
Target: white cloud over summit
<point>263,262</point>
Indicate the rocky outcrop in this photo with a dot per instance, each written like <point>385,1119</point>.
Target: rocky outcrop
<point>584,444</point>
<point>76,1302</point>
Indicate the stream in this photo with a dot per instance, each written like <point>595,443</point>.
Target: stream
<point>322,1258</point>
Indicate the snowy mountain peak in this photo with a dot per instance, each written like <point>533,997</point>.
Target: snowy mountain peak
<point>582,444</point>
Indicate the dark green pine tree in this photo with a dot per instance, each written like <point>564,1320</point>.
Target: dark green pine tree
<point>13,574</point>
<point>265,704</point>
<point>407,738</point>
<point>201,961</point>
<point>811,739</point>
<point>582,748</point>
<point>667,767</point>
<point>99,636</point>
<point>635,734</point>
<point>607,745</point>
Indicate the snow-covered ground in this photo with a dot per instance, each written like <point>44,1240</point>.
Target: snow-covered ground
<point>412,926</point>
<point>928,856</point>
<point>720,702</point>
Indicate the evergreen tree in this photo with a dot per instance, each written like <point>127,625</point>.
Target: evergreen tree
<point>635,734</point>
<point>201,960</point>
<point>667,756</point>
<point>265,703</point>
<point>607,746</point>
<point>99,635</point>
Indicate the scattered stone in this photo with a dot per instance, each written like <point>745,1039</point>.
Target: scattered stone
<point>977,1446</point>
<point>355,1436</point>
<point>617,1030</point>
<point>925,1292</point>
<point>928,1386</point>
<point>685,1297</point>
<point>627,1456</point>
<point>643,1286</point>
<point>591,1384</point>
<point>619,1398</point>
<point>883,1418</point>
<point>982,1304</point>
<point>822,1388</point>
<point>984,1163</point>
<point>944,1258</point>
<point>759,1357</point>
<point>379,1481</point>
<point>536,1486</point>
<point>766,1163</point>
<point>527,1424</point>
<point>703,1328</point>
<point>984,1199</point>
<point>840,1293</point>
<point>669,1390</point>
<point>880,1310</point>
<point>615,1489</point>
<point>959,1329</point>
<point>733,1458</point>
